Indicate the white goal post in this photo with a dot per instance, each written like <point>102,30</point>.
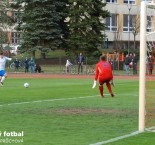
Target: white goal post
<point>143,56</point>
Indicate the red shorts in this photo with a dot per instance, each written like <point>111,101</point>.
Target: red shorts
<point>103,80</point>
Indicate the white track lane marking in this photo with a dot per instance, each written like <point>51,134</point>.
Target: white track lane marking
<point>116,138</point>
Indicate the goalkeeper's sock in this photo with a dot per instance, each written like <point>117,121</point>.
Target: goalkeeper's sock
<point>101,90</point>
<point>3,78</point>
<point>109,87</point>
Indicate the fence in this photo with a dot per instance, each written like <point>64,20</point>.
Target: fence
<point>58,69</point>
<point>57,66</point>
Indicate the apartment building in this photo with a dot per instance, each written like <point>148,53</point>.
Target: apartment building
<point>13,37</point>
<point>123,26</point>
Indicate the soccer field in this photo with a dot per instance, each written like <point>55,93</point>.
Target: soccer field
<point>67,111</point>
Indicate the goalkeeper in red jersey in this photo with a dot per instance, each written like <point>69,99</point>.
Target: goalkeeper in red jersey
<point>103,75</point>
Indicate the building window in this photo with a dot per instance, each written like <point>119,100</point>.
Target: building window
<point>125,23</point>
<point>147,0</point>
<point>111,1</point>
<point>129,23</point>
<point>111,23</point>
<point>149,24</point>
<point>12,0</point>
<point>15,17</point>
<point>15,38</point>
<point>129,1</point>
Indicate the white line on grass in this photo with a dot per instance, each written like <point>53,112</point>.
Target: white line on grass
<point>151,129</point>
<point>116,138</point>
<point>122,137</point>
<point>50,100</point>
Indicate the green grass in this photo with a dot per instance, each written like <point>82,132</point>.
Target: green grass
<point>60,69</point>
<point>61,117</point>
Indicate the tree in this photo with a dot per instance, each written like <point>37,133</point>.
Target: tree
<point>135,23</point>
<point>6,23</point>
<point>41,25</point>
<point>85,23</point>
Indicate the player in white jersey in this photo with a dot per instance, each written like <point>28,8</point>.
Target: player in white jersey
<point>3,74</point>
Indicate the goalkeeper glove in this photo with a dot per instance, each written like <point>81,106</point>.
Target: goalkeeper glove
<point>94,84</point>
<point>112,83</point>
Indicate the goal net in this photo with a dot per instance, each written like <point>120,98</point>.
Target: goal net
<point>147,60</point>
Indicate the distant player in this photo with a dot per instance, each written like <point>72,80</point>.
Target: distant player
<point>103,75</point>
<point>3,74</point>
<point>68,66</point>
<point>37,68</point>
